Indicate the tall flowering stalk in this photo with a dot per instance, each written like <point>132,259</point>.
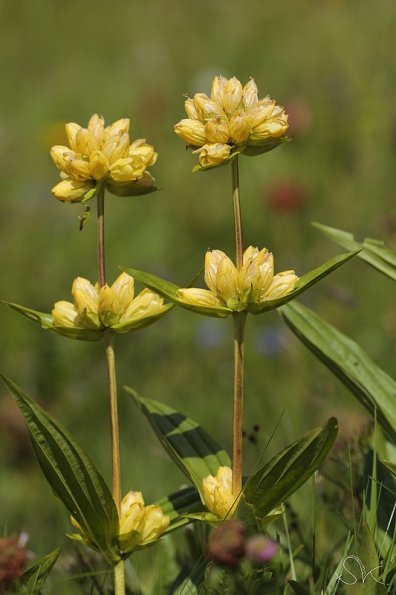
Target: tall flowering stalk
<point>230,122</point>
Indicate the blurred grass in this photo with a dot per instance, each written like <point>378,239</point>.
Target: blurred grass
<point>332,62</point>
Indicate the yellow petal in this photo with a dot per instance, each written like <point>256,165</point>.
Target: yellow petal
<point>249,94</point>
<point>62,156</point>
<point>191,131</point>
<point>214,154</point>
<point>71,191</point>
<point>98,165</point>
<point>65,315</point>
<point>72,129</point>
<point>239,128</point>
<point>198,297</point>
<point>232,96</point>
<point>217,91</point>
<point>216,131</point>
<point>190,109</point>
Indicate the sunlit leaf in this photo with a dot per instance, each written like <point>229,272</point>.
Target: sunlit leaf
<point>191,447</point>
<point>32,580</point>
<point>371,385</point>
<point>289,469</point>
<point>372,251</point>
<point>71,474</point>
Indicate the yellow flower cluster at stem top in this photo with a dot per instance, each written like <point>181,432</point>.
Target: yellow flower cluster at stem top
<point>97,308</point>
<point>253,284</point>
<point>232,118</point>
<point>99,154</point>
<point>217,493</point>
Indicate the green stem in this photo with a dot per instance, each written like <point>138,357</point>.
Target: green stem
<point>119,578</point>
<point>239,319</point>
<point>119,571</point>
<point>237,212</point>
<point>237,422</point>
<point>100,227</point>
<point>115,435</point>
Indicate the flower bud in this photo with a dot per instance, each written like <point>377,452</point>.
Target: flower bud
<point>99,165</point>
<point>70,190</point>
<point>249,94</point>
<point>217,91</point>
<point>282,284</point>
<point>217,493</point>
<point>72,129</point>
<point>189,106</point>
<point>212,261</point>
<point>215,154</point>
<point>149,521</point>
<point>85,298</point>
<point>216,131</point>
<point>62,156</point>
<point>86,143</point>
<point>191,131</point>
<point>198,297</point>
<point>206,108</point>
<point>115,130</point>
<point>232,95</point>
<point>239,128</point>
<point>64,314</point>
<point>144,151</point>
<point>260,112</point>
<point>79,170</point>
<point>96,126</point>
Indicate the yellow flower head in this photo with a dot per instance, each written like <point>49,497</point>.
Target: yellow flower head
<point>239,289</point>
<point>232,120</point>
<point>114,307</point>
<point>148,521</point>
<point>217,493</point>
<point>99,155</point>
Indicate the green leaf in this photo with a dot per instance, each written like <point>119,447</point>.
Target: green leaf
<point>46,322</point>
<point>298,588</point>
<point>371,385</point>
<point>289,469</point>
<point>304,283</point>
<point>71,475</point>
<point>372,251</point>
<point>364,567</point>
<point>194,450</point>
<point>178,503</point>
<point>390,466</point>
<point>169,290</point>
<point>32,580</point>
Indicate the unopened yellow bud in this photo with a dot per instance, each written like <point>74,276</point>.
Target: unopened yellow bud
<point>116,129</point>
<point>191,131</point>
<point>232,95</point>
<point>282,284</point>
<point>260,112</point>
<point>216,131</point>
<point>122,170</point>
<point>149,521</point>
<point>96,126</point>
<point>206,108</point>
<point>121,149</point>
<point>72,129</point>
<point>249,94</point>
<point>256,274</point>
<point>221,275</point>
<point>65,315</point>
<point>217,493</point>
<point>99,165</point>
<point>189,106</point>
<point>86,142</point>
<point>144,151</point>
<point>215,154</point>
<point>86,298</point>
<point>62,156</point>
<point>70,190</point>
<point>239,128</point>
<point>217,91</point>
<point>198,297</point>
<point>79,170</point>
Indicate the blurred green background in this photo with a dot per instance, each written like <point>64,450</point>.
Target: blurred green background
<point>332,64</point>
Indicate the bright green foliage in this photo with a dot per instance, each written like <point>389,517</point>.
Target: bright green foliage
<point>289,469</point>
<point>197,454</point>
<point>371,251</point>
<point>371,385</point>
<point>32,580</point>
<point>71,475</point>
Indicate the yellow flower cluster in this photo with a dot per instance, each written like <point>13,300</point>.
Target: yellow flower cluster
<point>99,155</point>
<point>149,521</point>
<point>217,493</point>
<point>231,119</point>
<point>254,283</point>
<point>115,307</point>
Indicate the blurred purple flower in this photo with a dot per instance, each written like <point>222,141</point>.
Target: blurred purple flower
<point>260,548</point>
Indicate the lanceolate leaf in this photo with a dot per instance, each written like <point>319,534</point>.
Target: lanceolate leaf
<point>305,282</point>
<point>71,474</point>
<point>169,290</point>
<point>183,501</point>
<point>289,469</point>
<point>371,385</point>
<point>32,580</point>
<point>45,321</point>
<point>197,454</point>
<point>372,251</point>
